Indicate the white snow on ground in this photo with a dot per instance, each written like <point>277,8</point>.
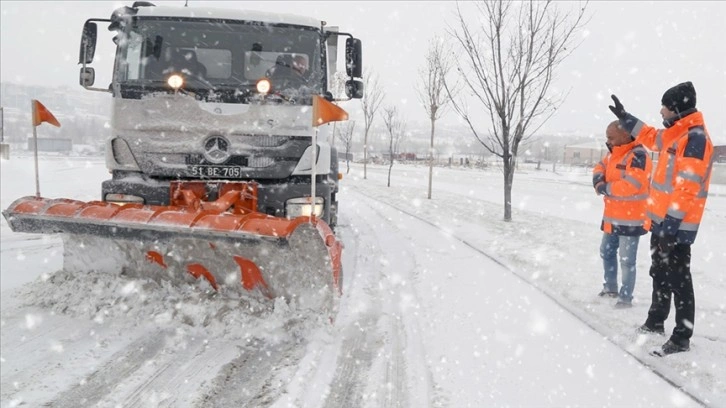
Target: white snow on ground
<point>444,305</point>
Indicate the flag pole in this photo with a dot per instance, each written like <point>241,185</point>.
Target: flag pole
<point>39,115</point>
<point>35,149</point>
<point>313,168</point>
<point>323,112</point>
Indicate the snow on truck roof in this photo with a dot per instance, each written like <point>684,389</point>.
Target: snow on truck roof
<point>228,14</point>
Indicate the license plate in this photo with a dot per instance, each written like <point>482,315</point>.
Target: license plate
<point>216,171</point>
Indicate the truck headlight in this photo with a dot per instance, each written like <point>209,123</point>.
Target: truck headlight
<point>264,86</point>
<point>296,207</point>
<point>175,81</point>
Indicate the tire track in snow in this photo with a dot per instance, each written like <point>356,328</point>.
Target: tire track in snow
<point>361,351</point>
<point>361,340</point>
<point>254,379</point>
<point>395,375</point>
<point>397,268</point>
<point>353,365</point>
<point>175,382</point>
<point>409,379</point>
<point>117,368</point>
<point>396,387</point>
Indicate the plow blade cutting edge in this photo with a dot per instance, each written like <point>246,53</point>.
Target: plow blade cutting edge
<point>237,253</point>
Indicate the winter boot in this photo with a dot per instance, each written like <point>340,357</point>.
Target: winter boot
<point>623,304</point>
<point>651,329</point>
<point>673,346</point>
<point>608,293</point>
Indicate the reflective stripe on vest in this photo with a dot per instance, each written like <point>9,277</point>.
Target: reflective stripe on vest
<point>630,198</point>
<point>625,223</point>
<point>655,217</point>
<point>667,186</point>
<point>659,139</point>
<point>690,176</point>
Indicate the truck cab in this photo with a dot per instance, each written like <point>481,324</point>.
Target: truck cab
<point>220,96</point>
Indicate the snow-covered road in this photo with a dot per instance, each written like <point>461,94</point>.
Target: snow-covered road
<point>443,306</point>
<point>472,334</point>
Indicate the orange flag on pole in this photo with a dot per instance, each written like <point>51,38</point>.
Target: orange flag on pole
<point>324,111</point>
<point>42,114</point>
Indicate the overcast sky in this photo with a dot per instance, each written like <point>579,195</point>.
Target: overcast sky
<point>633,49</point>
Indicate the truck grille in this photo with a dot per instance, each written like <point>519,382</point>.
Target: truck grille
<point>260,140</point>
<point>198,159</point>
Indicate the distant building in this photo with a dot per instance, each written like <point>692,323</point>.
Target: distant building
<point>718,171</point>
<point>585,154</point>
<point>406,156</point>
<point>51,144</point>
<point>343,156</point>
<point>719,154</point>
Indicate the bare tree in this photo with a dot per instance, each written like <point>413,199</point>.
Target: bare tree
<point>371,101</point>
<point>345,135</point>
<point>508,64</point>
<point>396,129</point>
<point>431,90</point>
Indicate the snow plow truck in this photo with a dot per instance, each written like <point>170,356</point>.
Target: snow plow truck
<point>220,170</point>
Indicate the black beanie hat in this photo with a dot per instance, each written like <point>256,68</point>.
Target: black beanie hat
<point>680,98</point>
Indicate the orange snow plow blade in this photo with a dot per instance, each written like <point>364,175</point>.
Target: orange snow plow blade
<point>224,242</point>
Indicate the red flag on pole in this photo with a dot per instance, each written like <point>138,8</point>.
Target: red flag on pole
<point>42,114</point>
<point>324,111</point>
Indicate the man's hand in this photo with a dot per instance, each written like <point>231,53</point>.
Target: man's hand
<point>618,110</point>
<point>601,188</point>
<point>666,243</point>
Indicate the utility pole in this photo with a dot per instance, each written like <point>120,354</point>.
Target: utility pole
<point>4,147</point>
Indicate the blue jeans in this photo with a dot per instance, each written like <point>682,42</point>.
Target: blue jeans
<point>627,248</point>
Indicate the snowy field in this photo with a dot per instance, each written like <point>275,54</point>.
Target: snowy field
<point>444,305</point>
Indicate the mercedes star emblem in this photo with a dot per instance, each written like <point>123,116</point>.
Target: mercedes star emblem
<point>216,149</point>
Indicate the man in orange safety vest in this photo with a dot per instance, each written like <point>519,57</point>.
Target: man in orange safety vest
<point>622,177</point>
<point>678,192</point>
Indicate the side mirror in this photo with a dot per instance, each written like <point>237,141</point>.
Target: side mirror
<point>354,89</point>
<point>353,58</point>
<point>88,43</point>
<point>87,77</point>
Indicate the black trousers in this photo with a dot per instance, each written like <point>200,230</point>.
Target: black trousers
<point>671,275</point>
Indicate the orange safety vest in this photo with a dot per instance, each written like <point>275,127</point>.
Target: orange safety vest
<point>682,175</point>
<point>626,172</point>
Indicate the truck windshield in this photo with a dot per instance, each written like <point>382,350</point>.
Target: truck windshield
<point>218,59</point>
